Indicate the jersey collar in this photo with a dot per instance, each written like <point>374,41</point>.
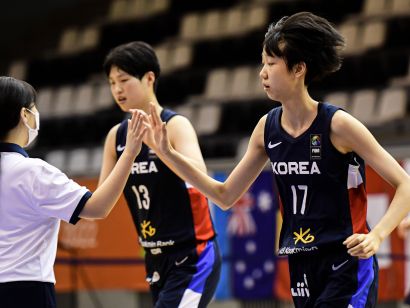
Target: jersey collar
<point>12,147</point>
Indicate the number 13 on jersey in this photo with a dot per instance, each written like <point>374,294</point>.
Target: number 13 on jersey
<point>142,196</point>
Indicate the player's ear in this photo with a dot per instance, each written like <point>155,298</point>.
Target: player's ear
<point>300,69</point>
<point>149,78</point>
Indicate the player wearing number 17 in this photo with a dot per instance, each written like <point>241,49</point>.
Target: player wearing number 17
<point>172,218</point>
<point>315,150</point>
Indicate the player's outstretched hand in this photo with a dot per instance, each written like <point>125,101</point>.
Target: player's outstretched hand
<point>135,134</point>
<point>362,246</point>
<point>159,132</point>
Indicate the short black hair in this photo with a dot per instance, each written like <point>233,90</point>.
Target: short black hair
<point>305,37</point>
<point>14,95</point>
<point>135,58</point>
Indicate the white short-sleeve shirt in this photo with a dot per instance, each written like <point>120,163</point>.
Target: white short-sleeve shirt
<point>34,197</point>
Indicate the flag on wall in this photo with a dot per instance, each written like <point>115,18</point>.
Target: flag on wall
<point>252,228</point>
<point>246,234</point>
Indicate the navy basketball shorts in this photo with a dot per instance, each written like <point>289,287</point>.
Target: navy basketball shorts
<point>24,294</point>
<point>184,278</point>
<point>333,278</point>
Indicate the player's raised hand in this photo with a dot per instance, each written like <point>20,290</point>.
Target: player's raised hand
<point>135,134</point>
<point>149,135</point>
<point>159,131</point>
<point>362,246</point>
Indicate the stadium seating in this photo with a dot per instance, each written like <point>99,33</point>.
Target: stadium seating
<point>210,58</point>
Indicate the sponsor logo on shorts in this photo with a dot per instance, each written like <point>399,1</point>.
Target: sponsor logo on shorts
<point>336,267</point>
<point>302,288</point>
<point>178,263</point>
<point>154,278</point>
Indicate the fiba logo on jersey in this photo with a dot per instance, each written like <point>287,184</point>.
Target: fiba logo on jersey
<point>315,140</point>
<point>315,146</point>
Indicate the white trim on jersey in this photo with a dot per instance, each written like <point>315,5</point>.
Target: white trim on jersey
<point>190,299</point>
<point>187,185</point>
<point>354,177</point>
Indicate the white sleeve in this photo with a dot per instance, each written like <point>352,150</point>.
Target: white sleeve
<point>55,195</point>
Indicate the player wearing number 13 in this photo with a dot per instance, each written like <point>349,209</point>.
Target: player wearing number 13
<point>172,218</point>
<point>315,150</point>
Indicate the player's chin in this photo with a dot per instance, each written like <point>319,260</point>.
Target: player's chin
<point>124,107</point>
<point>271,95</point>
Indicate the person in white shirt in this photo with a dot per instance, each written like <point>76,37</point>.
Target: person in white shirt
<point>35,196</point>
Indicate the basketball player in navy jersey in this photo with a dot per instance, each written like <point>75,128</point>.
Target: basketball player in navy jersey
<point>172,218</point>
<point>317,154</point>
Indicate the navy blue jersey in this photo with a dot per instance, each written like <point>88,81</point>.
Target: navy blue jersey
<point>166,211</point>
<point>322,191</point>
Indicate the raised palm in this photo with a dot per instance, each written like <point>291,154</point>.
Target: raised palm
<point>158,132</point>
<point>135,133</point>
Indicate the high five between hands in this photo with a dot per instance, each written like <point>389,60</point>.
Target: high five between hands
<point>359,245</point>
<point>156,136</point>
<point>135,134</point>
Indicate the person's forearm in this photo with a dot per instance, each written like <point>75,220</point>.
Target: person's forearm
<point>397,210</point>
<point>198,164</point>
<point>189,172</point>
<point>105,197</point>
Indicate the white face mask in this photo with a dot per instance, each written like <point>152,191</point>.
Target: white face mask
<point>33,132</point>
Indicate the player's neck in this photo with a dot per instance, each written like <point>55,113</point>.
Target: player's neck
<point>298,114</point>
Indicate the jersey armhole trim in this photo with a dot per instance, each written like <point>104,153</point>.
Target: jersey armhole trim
<point>167,114</point>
